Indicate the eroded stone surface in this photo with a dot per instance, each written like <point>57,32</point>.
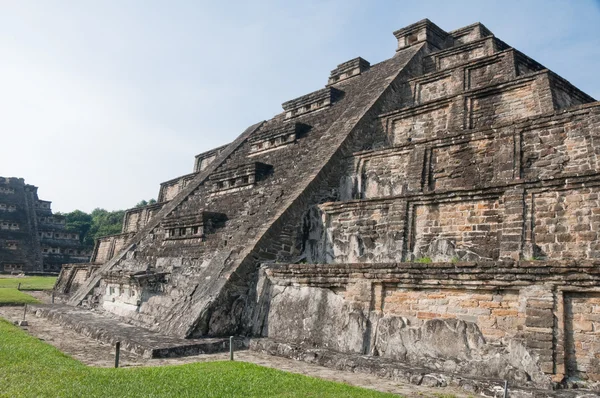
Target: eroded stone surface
<point>95,353</point>
<point>406,374</point>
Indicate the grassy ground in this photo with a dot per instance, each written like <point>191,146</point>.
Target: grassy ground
<point>10,296</point>
<point>31,368</point>
<point>28,282</point>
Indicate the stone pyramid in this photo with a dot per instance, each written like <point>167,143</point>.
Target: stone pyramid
<point>440,208</point>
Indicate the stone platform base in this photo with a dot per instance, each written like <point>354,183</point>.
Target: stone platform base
<point>402,372</point>
<point>133,339</point>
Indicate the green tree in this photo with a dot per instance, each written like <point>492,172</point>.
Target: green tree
<point>105,223</point>
<point>144,202</point>
<point>78,221</point>
<point>99,223</point>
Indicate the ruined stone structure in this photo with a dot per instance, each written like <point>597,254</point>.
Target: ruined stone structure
<point>32,239</point>
<point>440,209</point>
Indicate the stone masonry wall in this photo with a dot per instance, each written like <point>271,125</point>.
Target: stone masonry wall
<point>170,189</point>
<point>582,326</point>
<point>369,233</point>
<point>503,105</point>
<point>108,246</point>
<point>551,159</point>
<point>484,70</point>
<point>379,175</point>
<point>135,219</point>
<point>565,145</point>
<point>497,314</point>
<point>492,105</point>
<point>566,223</point>
<point>461,54</point>
<point>468,163</point>
<point>465,230</point>
<point>447,316</point>
<point>549,147</point>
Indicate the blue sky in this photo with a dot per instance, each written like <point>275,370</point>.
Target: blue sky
<point>103,100</point>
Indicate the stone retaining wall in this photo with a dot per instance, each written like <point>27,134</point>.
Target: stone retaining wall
<point>530,322</point>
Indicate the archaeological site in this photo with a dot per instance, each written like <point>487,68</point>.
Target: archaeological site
<point>433,218</point>
<point>32,238</point>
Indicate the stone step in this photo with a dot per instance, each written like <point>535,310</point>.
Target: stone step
<point>458,55</point>
<point>182,196</point>
<point>134,339</point>
<point>479,73</point>
<point>470,33</point>
<point>494,105</point>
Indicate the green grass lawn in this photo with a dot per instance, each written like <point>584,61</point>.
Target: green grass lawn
<point>31,368</point>
<point>10,296</point>
<point>29,282</point>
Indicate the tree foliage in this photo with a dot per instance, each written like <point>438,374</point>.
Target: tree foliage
<point>104,223</point>
<point>78,221</point>
<point>143,203</point>
<point>98,223</point>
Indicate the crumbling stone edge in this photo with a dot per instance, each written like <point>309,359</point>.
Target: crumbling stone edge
<point>149,349</point>
<point>403,373</point>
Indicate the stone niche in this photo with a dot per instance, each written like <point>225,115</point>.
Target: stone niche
<point>488,69</point>
<point>443,229</point>
<point>125,291</point>
<point>555,147</point>
<point>470,33</point>
<point>383,173</point>
<point>423,122</point>
<point>497,105</point>
<point>11,244</point>
<point>465,53</point>
<point>505,103</point>
<point>13,226</point>
<point>7,207</point>
<point>194,226</point>
<point>108,246</point>
<point>582,329</point>
<point>348,69</point>
<point>457,231</point>
<point>420,32</point>
<point>72,276</point>
<point>277,138</point>
<point>203,160</point>
<point>239,178</point>
<point>434,87</point>
<point>565,223</point>
<point>465,163</point>
<point>170,189</point>
<point>135,219</point>
<point>11,267</point>
<point>355,232</point>
<point>497,313</point>
<point>311,102</point>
